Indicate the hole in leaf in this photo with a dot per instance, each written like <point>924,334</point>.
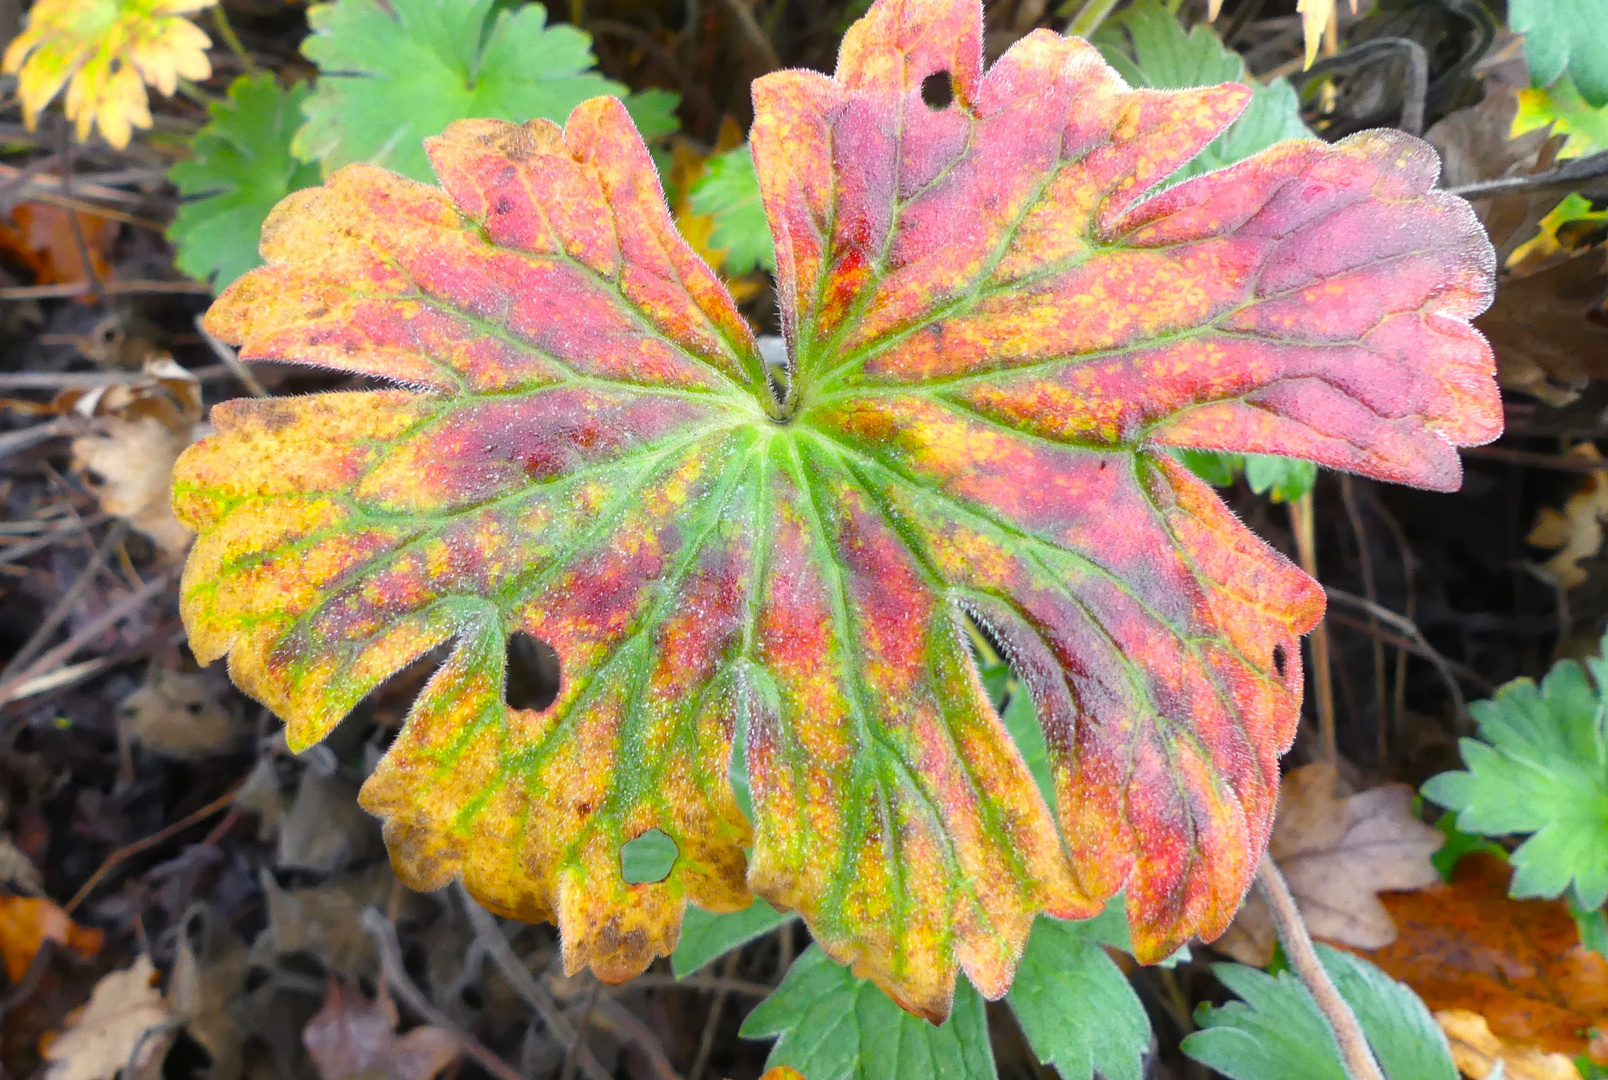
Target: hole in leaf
<point>648,858</point>
<point>937,91</point>
<point>1281,660</point>
<point>531,675</point>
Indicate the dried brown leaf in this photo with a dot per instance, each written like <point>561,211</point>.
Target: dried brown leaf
<point>1477,1050</point>
<point>354,1037</point>
<point>99,1039</point>
<point>1337,854</point>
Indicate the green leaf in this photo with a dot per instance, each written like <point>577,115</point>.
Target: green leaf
<point>1284,479</point>
<point>1562,110</point>
<point>1565,36</point>
<point>1276,1032</point>
<point>648,858</point>
<point>1540,766</point>
<point>1458,844</point>
<point>1593,927</point>
<point>1075,1007</point>
<point>240,166</point>
<point>836,1027</point>
<point>396,73</point>
<point>706,935</point>
<point>1164,56</point>
<point>728,192</point>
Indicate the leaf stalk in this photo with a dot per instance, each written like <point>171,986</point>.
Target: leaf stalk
<point>1355,1053</point>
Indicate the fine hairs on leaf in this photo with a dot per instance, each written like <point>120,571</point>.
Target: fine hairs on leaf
<point>997,334</point>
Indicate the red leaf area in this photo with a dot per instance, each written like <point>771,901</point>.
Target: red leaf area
<point>994,337</point>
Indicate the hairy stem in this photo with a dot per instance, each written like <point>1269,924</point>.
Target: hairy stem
<point>1354,1051</point>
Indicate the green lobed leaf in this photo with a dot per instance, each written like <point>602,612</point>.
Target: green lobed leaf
<point>395,73</point>
<point>1164,56</point>
<point>833,1026</point>
<point>1540,766</point>
<point>728,192</point>
<point>1075,1007</point>
<point>1565,36</point>
<point>706,935</point>
<point>1276,1032</point>
<point>240,166</point>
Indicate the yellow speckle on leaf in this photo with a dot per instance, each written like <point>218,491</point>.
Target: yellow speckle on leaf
<point>110,50</point>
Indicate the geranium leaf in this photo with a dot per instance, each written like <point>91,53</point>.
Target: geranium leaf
<point>834,1026</point>
<point>1276,1031</point>
<point>728,192</point>
<point>1540,766</point>
<point>1565,36</point>
<point>241,167</point>
<point>706,935</point>
<point>399,71</point>
<point>994,341</point>
<point>1076,1008</point>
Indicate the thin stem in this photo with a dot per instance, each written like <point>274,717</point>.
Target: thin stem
<point>226,31</point>
<point>1306,546</point>
<point>1354,1051</point>
<point>1089,18</point>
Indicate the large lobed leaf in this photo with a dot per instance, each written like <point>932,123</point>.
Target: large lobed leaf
<point>995,339</point>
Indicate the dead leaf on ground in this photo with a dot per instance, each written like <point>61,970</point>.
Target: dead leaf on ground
<point>176,714</point>
<point>1337,854</point>
<point>324,921</point>
<point>40,236</point>
<point>124,1014</point>
<point>1518,963</point>
<point>354,1037</point>
<point>1550,328</point>
<point>206,978</point>
<point>132,435</point>
<point>17,870</point>
<point>325,829</point>
<point>1476,1050</point>
<point>1575,532</point>
<point>27,922</point>
<point>1547,322</point>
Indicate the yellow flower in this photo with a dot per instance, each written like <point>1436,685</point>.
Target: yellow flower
<point>110,49</point>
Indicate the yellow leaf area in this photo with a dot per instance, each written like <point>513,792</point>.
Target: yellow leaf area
<point>1317,19</point>
<point>1560,109</point>
<point>106,52</point>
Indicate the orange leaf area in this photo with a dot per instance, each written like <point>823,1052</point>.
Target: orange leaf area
<point>27,922</point>
<point>1519,963</point>
<point>40,236</point>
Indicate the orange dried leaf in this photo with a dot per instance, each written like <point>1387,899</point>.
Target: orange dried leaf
<point>995,342</point>
<point>1518,963</point>
<point>27,922</point>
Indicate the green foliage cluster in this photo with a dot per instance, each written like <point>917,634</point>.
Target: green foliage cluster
<point>391,73</point>
<point>1539,769</point>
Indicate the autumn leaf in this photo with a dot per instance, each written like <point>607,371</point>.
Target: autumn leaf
<point>353,1038</point>
<point>120,1031</point>
<point>110,50</point>
<point>1337,854</point>
<point>42,238</point>
<point>27,922</point>
<point>1478,1051</point>
<point>994,342</point>
<point>1518,963</point>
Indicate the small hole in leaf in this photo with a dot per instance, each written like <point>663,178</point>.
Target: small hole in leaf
<point>1281,660</point>
<point>648,858</point>
<point>937,92</point>
<point>531,675</point>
